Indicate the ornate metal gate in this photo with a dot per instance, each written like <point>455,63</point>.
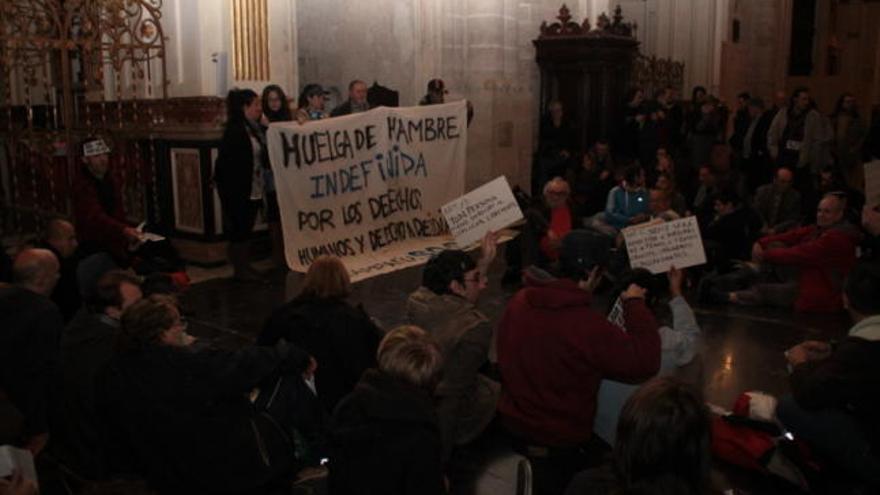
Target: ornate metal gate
<point>69,69</point>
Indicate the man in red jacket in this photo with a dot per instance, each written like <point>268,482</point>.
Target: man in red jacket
<point>810,264</point>
<point>97,205</point>
<point>553,351</point>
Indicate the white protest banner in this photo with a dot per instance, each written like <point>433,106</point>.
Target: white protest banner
<point>488,207</point>
<point>368,187</point>
<point>657,247</point>
<point>872,183</point>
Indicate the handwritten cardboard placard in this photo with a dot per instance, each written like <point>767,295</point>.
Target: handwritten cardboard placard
<point>872,183</point>
<point>659,246</point>
<point>488,207</point>
<point>368,187</point>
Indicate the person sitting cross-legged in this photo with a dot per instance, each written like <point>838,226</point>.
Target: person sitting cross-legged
<point>627,204</point>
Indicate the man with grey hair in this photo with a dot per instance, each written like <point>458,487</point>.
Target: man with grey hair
<point>357,100</point>
<point>30,326</point>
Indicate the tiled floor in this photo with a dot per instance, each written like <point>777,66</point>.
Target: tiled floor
<point>742,347</point>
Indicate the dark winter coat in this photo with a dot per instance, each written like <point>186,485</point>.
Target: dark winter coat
<point>341,338</point>
<point>30,326</point>
<point>180,417</point>
<point>385,440</point>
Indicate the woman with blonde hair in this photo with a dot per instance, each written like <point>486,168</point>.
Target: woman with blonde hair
<point>320,320</point>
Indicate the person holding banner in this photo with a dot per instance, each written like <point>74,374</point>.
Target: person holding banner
<point>356,102</point>
<point>310,105</point>
<point>445,306</point>
<point>275,109</point>
<point>238,176</point>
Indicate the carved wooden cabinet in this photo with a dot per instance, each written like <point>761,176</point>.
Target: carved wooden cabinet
<point>588,69</point>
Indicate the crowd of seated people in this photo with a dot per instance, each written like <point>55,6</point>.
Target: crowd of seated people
<point>113,386</point>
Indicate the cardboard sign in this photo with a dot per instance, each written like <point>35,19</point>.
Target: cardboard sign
<point>490,207</point>
<point>368,187</point>
<point>95,147</point>
<point>872,183</point>
<point>659,246</point>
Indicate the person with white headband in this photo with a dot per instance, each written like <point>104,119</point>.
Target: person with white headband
<point>97,205</point>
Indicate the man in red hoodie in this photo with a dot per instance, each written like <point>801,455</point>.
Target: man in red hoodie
<point>554,350</point>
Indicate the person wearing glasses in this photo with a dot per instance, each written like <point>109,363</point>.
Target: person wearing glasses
<point>446,307</point>
<point>548,221</point>
<point>803,268</point>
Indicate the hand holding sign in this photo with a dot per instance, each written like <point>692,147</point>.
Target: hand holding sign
<point>676,280</point>
<point>490,207</point>
<point>489,247</point>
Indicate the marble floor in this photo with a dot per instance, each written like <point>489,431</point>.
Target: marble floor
<point>742,348</point>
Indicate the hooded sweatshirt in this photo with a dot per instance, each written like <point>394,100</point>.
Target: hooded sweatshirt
<point>554,350</point>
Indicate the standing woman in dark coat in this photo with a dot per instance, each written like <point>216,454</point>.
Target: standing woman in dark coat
<point>341,337</point>
<point>275,109</point>
<point>238,175</point>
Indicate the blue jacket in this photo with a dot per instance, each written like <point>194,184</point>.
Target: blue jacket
<point>623,205</point>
